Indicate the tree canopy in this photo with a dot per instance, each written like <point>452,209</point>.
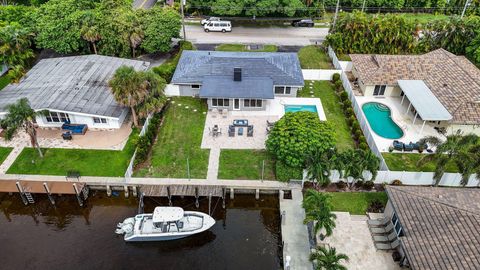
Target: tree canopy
<point>296,135</point>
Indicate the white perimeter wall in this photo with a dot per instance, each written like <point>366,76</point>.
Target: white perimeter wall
<point>319,74</point>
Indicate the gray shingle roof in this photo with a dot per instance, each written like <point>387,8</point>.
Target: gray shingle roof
<point>226,87</point>
<point>441,226</point>
<point>282,68</point>
<point>72,84</point>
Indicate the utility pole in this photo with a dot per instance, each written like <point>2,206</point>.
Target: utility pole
<point>336,14</point>
<point>183,2</point>
<point>363,6</point>
<point>467,3</point>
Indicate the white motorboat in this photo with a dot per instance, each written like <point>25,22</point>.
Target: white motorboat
<point>166,223</point>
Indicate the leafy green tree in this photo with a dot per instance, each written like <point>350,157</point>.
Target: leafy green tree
<point>353,163</point>
<point>161,25</point>
<point>90,30</point>
<point>298,133</point>
<point>473,49</point>
<point>320,164</point>
<point>318,210</point>
<point>228,7</point>
<point>15,45</point>
<point>328,259</point>
<point>23,15</point>
<point>135,37</point>
<point>21,116</point>
<point>457,148</point>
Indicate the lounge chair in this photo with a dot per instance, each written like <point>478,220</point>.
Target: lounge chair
<point>388,246</point>
<point>231,131</point>
<point>408,147</point>
<point>385,238</point>
<point>398,145</point>
<point>382,230</point>
<point>381,222</point>
<point>214,112</point>
<point>250,131</point>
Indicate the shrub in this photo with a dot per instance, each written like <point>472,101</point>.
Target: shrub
<point>351,120</point>
<point>341,185</point>
<point>284,172</point>
<point>296,134</point>
<point>363,146</point>
<point>375,206</point>
<point>355,127</point>
<point>349,112</point>
<point>368,185</point>
<point>396,183</point>
<point>338,85</point>
<point>362,140</point>
<point>358,133</point>
<point>344,97</point>
<point>347,104</point>
<point>335,77</point>
<point>165,71</point>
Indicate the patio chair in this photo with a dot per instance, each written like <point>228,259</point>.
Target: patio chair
<point>385,238</point>
<point>388,246</point>
<point>398,145</point>
<point>381,222</point>
<point>250,131</point>
<point>231,131</point>
<point>214,112</point>
<point>382,230</point>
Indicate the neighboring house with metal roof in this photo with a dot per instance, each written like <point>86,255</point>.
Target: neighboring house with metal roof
<point>438,227</point>
<point>449,84</point>
<point>238,80</point>
<point>72,89</point>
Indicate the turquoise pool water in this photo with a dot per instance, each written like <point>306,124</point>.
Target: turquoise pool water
<point>380,120</point>
<point>300,108</point>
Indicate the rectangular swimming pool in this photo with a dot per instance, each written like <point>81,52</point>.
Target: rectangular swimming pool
<point>300,108</point>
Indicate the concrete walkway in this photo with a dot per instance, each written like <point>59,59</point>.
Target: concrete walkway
<point>213,161</point>
<point>296,245</point>
<point>10,159</point>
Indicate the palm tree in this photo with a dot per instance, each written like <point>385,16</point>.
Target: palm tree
<point>352,164</point>
<point>21,115</point>
<point>129,89</point>
<point>456,148</point>
<point>135,37</point>
<point>91,34</point>
<point>328,259</point>
<point>318,210</point>
<point>15,45</point>
<point>156,99</point>
<point>468,163</point>
<point>320,164</point>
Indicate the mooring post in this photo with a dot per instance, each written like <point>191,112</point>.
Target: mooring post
<point>127,193</point>
<point>77,193</point>
<point>210,204</point>
<point>169,195</point>
<point>281,194</point>
<point>22,195</point>
<point>49,194</point>
<point>109,191</point>
<point>257,194</point>
<point>232,193</point>
<point>197,204</point>
<point>140,203</point>
<point>224,195</point>
<point>134,191</point>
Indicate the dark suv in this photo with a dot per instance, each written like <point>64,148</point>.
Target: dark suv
<point>303,23</point>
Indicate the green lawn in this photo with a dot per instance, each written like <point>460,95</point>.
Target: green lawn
<point>408,162</point>
<point>356,203</point>
<point>180,138</point>
<point>313,57</point>
<point>4,81</point>
<point>333,110</point>
<point>245,164</point>
<point>424,17</point>
<point>4,152</point>
<point>87,162</point>
<point>243,48</point>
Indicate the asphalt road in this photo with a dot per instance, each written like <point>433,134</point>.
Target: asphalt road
<point>289,36</point>
<point>146,4</point>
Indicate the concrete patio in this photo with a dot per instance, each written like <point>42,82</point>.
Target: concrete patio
<point>352,237</point>
<point>412,132</point>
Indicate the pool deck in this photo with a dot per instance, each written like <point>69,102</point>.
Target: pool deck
<point>412,132</point>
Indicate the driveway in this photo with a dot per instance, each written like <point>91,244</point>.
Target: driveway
<point>289,36</point>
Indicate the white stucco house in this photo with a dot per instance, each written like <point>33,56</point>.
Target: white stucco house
<point>438,88</point>
<point>73,89</point>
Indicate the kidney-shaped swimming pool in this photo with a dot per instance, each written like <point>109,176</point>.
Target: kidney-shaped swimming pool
<point>379,117</point>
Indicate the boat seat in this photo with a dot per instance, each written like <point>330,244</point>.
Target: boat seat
<point>180,225</point>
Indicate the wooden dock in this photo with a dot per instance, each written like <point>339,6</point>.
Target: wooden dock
<point>182,190</point>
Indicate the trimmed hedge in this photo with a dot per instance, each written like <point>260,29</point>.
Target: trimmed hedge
<point>284,172</point>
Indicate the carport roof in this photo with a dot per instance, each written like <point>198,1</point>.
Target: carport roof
<point>424,101</point>
<point>226,87</point>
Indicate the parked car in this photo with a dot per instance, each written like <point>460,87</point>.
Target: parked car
<point>211,19</point>
<point>219,26</point>
<point>303,23</point>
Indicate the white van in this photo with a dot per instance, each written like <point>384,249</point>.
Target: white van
<point>218,26</point>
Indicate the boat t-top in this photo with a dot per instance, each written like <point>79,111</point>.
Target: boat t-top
<point>166,223</point>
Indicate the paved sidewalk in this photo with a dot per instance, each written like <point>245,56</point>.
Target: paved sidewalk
<point>295,233</point>
<point>10,159</point>
<point>213,161</point>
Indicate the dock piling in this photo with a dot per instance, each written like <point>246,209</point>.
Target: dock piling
<point>210,204</point>
<point>197,204</point>
<point>77,194</point>
<point>109,191</point>
<point>169,195</point>
<point>134,191</point>
<point>127,193</point>
<point>49,194</point>
<point>224,195</point>
<point>257,194</point>
<point>232,193</point>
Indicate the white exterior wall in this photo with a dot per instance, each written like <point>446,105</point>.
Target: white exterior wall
<point>390,91</point>
<point>112,123</point>
<point>319,74</point>
<point>346,65</point>
<point>475,129</point>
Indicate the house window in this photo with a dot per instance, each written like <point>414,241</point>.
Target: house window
<point>57,117</point>
<point>98,120</point>
<point>379,90</point>
<point>195,86</point>
<point>220,102</point>
<point>283,90</point>
<point>396,224</point>
<point>252,103</point>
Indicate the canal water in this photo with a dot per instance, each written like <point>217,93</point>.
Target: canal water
<point>41,236</point>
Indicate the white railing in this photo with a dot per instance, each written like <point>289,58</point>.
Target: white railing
<point>129,171</point>
<point>334,58</point>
